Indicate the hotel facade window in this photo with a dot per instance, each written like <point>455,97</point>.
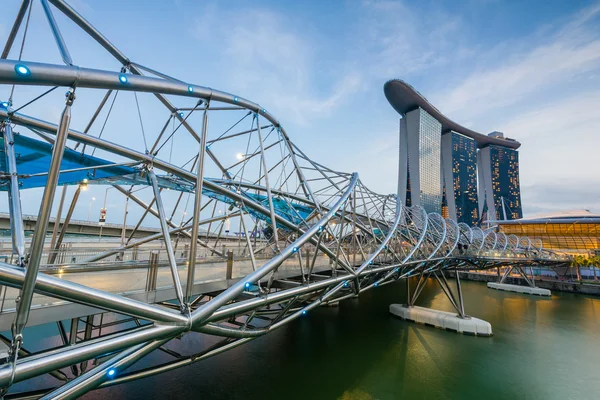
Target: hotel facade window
<point>499,182</point>
<point>459,161</point>
<point>420,154</point>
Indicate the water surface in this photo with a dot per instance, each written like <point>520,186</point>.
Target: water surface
<point>541,349</point>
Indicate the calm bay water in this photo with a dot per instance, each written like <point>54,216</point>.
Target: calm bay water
<point>541,349</point>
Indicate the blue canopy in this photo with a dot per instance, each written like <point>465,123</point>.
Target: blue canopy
<point>34,156</point>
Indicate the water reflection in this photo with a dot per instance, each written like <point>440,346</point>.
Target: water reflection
<point>541,349</point>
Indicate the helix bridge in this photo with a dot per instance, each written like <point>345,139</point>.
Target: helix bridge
<point>307,234</point>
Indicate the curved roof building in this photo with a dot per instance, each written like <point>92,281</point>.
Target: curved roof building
<point>445,167</point>
<point>404,98</point>
<point>575,231</point>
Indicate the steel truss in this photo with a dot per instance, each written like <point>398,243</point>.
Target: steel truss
<point>337,237</point>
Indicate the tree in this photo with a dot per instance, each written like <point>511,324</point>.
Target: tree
<point>594,263</point>
<point>577,262</point>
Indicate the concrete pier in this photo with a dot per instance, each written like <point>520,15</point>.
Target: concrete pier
<point>536,291</point>
<point>442,319</point>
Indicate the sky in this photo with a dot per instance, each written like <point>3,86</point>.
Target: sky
<point>530,69</point>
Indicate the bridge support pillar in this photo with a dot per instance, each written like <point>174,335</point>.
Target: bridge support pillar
<point>530,287</point>
<point>453,321</point>
<point>536,291</point>
<point>442,320</point>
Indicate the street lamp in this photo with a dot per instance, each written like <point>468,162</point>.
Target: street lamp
<point>242,156</point>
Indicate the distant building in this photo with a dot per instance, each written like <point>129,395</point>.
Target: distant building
<point>420,152</point>
<point>576,232</point>
<point>499,182</point>
<point>452,170</point>
<point>459,165</point>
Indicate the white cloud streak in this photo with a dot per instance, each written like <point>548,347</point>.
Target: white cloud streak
<point>570,52</point>
<point>262,55</point>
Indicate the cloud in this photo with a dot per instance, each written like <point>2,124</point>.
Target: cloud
<point>262,53</point>
<point>560,148</point>
<point>543,90</point>
<point>400,42</point>
<point>552,197</point>
<point>567,54</point>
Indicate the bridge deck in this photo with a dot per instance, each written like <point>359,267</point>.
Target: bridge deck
<point>131,282</point>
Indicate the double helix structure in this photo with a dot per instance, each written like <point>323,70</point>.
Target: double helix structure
<point>216,173</point>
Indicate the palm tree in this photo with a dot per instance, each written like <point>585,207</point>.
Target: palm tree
<point>595,262</point>
<point>577,262</point>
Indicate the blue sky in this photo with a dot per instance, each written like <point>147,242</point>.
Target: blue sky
<point>528,68</point>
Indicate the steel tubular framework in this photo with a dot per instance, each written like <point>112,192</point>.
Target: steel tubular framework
<point>309,235</point>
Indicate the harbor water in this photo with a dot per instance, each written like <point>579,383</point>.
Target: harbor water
<point>542,348</point>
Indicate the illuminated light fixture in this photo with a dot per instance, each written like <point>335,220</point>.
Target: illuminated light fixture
<point>247,285</point>
<point>60,270</point>
<point>181,114</point>
<point>5,104</point>
<point>235,99</point>
<point>239,156</point>
<point>320,228</point>
<point>208,147</point>
<point>303,312</point>
<point>22,70</point>
<point>111,372</point>
<point>191,89</point>
<point>370,262</point>
<point>295,249</point>
<point>123,78</point>
<point>263,111</point>
<point>346,284</point>
<point>376,284</point>
<point>397,269</point>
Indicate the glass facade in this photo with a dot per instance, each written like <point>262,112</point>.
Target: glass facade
<point>580,237</point>
<point>505,182</point>
<point>464,173</point>
<point>430,173</point>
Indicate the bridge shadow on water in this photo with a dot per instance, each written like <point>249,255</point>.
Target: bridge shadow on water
<point>541,349</point>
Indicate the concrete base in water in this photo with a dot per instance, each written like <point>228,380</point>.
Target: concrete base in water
<point>519,289</point>
<point>442,320</point>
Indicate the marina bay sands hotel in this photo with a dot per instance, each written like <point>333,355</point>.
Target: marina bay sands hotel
<point>447,168</point>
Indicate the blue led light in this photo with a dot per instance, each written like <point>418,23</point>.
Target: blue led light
<point>181,114</point>
<point>22,70</point>
<point>111,372</point>
<point>263,111</point>
<point>123,78</point>
<point>303,312</point>
<point>370,262</point>
<point>376,284</point>
<point>295,249</point>
<point>191,89</point>
<point>247,285</point>
<point>5,104</point>
<point>345,284</point>
<point>235,99</point>
<point>397,269</point>
<point>320,229</point>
